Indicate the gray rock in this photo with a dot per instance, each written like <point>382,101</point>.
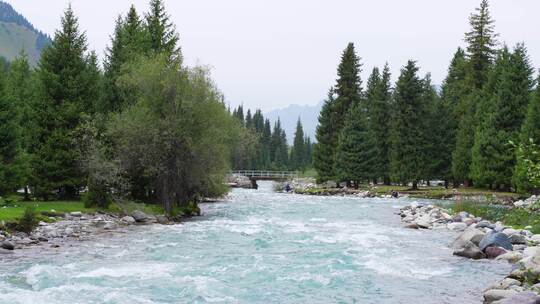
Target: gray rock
<point>424,222</point>
<point>517,239</point>
<point>469,235</point>
<point>485,224</point>
<point>412,226</point>
<point>493,295</point>
<point>511,257</point>
<point>469,250</point>
<point>76,214</point>
<point>139,216</point>
<point>495,239</point>
<point>519,247</point>
<point>128,219</point>
<point>162,219</point>
<point>526,297</point>
<point>7,245</point>
<point>531,251</point>
<point>457,226</point>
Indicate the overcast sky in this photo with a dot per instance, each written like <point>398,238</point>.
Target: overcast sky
<point>269,54</point>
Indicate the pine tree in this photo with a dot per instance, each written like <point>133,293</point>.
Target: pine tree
<point>126,44</point>
<point>378,103</point>
<point>161,35</point>
<point>266,139</point>
<point>354,154</point>
<point>481,42</point>
<point>454,91</point>
<point>493,157</point>
<point>249,119</point>
<point>327,140</point>
<point>437,157</point>
<point>348,86</point>
<point>298,152</point>
<point>278,147</point>
<point>309,152</point>
<point>9,141</point>
<point>18,93</point>
<point>64,94</point>
<point>407,161</point>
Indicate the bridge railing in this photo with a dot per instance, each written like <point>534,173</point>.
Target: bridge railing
<point>267,174</point>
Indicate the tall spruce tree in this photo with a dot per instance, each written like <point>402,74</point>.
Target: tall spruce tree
<point>298,152</point>
<point>481,43</point>
<point>493,159</point>
<point>378,103</point>
<point>354,154</point>
<point>407,139</point>
<point>481,48</point>
<point>161,35</point>
<point>64,94</point>
<point>126,44</point>
<point>435,133</point>
<point>454,90</point>
<point>348,86</point>
<point>327,140</point>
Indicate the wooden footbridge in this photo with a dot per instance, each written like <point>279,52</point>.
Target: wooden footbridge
<point>255,175</point>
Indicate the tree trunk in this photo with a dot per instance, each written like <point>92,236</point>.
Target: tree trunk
<point>387,181</point>
<point>415,185</point>
<point>446,184</point>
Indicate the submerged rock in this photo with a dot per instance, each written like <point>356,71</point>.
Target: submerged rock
<point>458,226</point>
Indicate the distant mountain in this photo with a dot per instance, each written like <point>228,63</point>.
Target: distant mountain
<point>17,34</point>
<point>309,115</point>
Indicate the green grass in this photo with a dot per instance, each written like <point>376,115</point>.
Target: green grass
<point>15,212</point>
<point>309,173</point>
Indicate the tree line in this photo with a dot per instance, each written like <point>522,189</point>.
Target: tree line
<point>145,127</point>
<point>262,146</point>
<point>466,132</point>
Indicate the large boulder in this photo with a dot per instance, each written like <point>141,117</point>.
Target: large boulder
<point>493,295</point>
<point>139,216</point>
<point>7,245</point>
<point>424,222</point>
<point>469,235</point>
<point>469,250</point>
<point>526,297</point>
<point>496,239</point>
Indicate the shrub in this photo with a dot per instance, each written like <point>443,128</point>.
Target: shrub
<point>28,222</point>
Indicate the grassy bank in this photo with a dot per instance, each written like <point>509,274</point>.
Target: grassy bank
<point>15,211</point>
<point>518,218</point>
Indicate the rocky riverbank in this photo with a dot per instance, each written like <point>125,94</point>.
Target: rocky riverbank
<point>481,239</point>
<point>74,226</point>
<point>309,186</point>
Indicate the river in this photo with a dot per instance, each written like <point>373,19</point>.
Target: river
<point>258,247</point>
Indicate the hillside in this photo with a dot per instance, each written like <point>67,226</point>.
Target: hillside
<point>17,34</point>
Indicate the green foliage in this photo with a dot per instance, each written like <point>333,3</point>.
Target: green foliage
<point>28,222</point>
<point>298,160</point>
<point>481,43</point>
<point>177,134</point>
<point>503,114</point>
<point>527,171</point>
<point>354,155</point>
<point>327,140</point>
<point>10,144</point>
<point>407,138</point>
<point>379,111</point>
<point>66,90</point>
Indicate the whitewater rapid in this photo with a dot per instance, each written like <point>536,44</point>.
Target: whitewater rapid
<point>258,247</point>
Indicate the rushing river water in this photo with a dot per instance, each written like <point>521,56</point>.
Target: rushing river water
<point>258,247</point>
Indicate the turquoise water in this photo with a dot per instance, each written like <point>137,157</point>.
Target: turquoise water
<point>258,247</point>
